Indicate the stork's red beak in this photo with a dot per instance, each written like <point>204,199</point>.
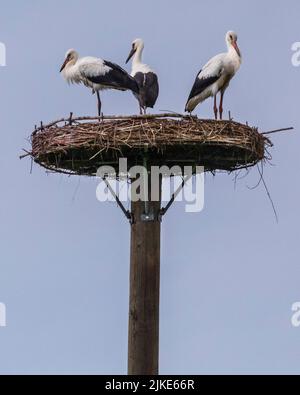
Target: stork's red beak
<point>63,66</point>
<point>236,47</point>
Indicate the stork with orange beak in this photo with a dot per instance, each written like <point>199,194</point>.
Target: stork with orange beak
<point>215,76</point>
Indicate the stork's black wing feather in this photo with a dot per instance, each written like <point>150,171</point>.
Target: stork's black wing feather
<point>201,84</point>
<point>116,77</point>
<point>148,87</point>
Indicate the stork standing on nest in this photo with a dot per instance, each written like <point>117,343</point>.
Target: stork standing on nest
<point>96,74</point>
<point>145,77</point>
<point>216,76</point>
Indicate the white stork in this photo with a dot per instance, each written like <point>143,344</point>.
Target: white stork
<point>215,76</point>
<point>145,77</point>
<point>96,74</point>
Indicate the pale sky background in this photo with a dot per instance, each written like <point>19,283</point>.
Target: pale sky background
<point>229,274</point>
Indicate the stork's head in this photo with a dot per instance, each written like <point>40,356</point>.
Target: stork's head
<point>70,59</point>
<point>137,45</point>
<point>231,40</point>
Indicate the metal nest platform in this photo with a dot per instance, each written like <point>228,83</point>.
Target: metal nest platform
<point>79,146</point>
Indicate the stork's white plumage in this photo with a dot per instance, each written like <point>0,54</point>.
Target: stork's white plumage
<point>216,76</point>
<point>145,77</point>
<point>97,74</point>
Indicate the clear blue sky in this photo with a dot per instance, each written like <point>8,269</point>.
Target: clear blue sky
<point>229,274</point>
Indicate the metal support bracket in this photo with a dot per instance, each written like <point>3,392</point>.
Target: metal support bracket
<point>127,213</point>
<point>148,217</point>
<point>164,210</point>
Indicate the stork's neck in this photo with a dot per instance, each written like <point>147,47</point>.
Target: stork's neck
<point>233,54</point>
<point>137,57</point>
<point>70,72</point>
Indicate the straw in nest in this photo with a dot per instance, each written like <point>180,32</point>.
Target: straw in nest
<point>81,145</point>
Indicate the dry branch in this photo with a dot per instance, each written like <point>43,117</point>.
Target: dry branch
<point>277,131</point>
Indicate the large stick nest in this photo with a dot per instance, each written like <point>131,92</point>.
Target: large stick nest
<point>80,146</point>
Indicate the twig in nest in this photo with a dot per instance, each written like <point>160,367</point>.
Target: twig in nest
<point>70,119</point>
<point>237,176</point>
<point>114,117</point>
<point>25,155</point>
<point>260,178</point>
<point>178,115</point>
<point>268,193</point>
<point>278,130</point>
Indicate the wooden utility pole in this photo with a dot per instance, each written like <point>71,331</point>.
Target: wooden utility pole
<point>143,344</point>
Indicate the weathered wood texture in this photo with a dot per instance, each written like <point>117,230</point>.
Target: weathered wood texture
<point>143,345</point>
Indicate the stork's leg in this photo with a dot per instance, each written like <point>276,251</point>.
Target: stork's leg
<point>141,110</point>
<point>145,110</point>
<point>99,104</point>
<point>221,105</point>
<point>215,107</point>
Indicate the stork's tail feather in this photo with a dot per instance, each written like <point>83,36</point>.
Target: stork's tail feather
<point>188,107</point>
